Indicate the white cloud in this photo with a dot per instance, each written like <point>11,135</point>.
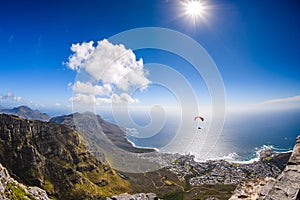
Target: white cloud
<point>112,66</point>
<point>57,104</point>
<point>88,88</point>
<point>124,97</point>
<point>109,63</point>
<point>18,99</point>
<point>81,53</point>
<point>9,96</point>
<point>87,100</point>
<point>283,100</point>
<point>83,98</point>
<point>90,99</point>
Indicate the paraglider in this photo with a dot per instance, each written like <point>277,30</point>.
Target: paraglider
<point>200,118</point>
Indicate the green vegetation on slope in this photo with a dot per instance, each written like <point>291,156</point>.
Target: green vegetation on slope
<point>53,157</point>
<point>15,192</point>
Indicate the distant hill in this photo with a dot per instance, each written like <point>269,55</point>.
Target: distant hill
<point>90,125</point>
<point>26,112</point>
<point>53,157</point>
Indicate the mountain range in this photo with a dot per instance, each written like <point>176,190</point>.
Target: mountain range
<point>26,112</point>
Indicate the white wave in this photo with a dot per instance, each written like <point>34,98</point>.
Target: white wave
<point>140,147</point>
<point>233,157</point>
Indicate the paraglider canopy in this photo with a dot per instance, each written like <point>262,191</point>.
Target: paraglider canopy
<point>199,117</point>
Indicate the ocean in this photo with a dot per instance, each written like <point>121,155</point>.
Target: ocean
<point>243,136</point>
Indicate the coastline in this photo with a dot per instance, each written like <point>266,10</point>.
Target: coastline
<point>140,147</point>
<point>126,130</point>
<point>259,153</point>
<point>264,152</point>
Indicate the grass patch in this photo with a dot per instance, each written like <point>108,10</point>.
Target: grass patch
<point>48,186</point>
<point>15,192</point>
<point>268,158</point>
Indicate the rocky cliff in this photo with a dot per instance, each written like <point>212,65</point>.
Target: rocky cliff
<point>12,189</point>
<point>287,184</point>
<point>139,196</point>
<point>285,187</point>
<point>26,112</point>
<point>53,157</point>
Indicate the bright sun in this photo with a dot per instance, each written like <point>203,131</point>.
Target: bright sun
<point>194,9</point>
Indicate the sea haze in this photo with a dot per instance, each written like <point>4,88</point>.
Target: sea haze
<point>243,136</point>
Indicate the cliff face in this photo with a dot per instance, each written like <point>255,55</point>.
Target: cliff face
<point>53,157</point>
<point>285,187</point>
<point>140,196</point>
<point>287,184</point>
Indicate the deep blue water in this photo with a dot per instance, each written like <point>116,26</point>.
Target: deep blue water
<point>244,134</point>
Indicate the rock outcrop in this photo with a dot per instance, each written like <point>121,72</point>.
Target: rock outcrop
<point>12,189</point>
<point>140,196</point>
<point>27,113</point>
<point>53,157</point>
<point>285,187</point>
<point>287,184</point>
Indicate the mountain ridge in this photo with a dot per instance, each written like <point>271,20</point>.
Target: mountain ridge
<point>26,112</point>
<point>114,133</point>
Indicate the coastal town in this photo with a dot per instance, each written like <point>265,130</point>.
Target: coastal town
<point>220,171</point>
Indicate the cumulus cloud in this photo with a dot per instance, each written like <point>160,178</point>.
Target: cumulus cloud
<point>111,67</point>
<point>89,88</point>
<point>90,99</point>
<point>81,53</point>
<point>124,97</point>
<point>17,99</point>
<point>9,96</point>
<point>109,63</point>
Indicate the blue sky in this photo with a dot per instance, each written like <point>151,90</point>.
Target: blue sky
<point>254,43</point>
